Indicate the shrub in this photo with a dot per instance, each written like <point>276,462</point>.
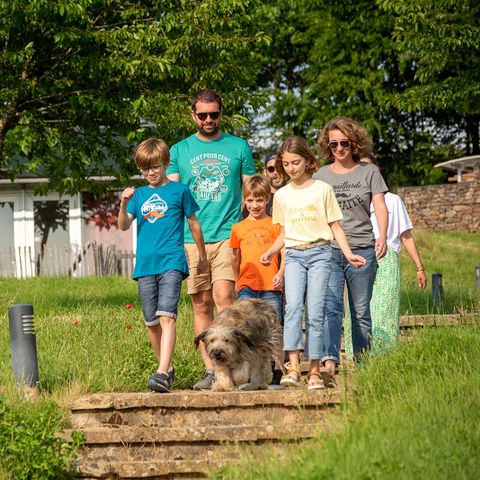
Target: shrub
<point>30,447</point>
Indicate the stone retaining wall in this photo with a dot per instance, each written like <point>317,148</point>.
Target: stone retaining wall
<point>444,208</point>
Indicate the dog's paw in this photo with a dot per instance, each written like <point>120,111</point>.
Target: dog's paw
<point>252,386</point>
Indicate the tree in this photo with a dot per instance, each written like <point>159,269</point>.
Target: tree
<point>442,39</point>
<point>82,80</point>
<point>340,58</point>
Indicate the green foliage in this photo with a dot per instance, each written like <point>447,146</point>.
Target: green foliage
<point>81,78</point>
<point>30,448</point>
<point>330,59</point>
<point>414,415</point>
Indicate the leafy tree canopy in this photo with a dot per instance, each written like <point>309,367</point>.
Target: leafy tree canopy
<point>346,58</point>
<point>81,80</point>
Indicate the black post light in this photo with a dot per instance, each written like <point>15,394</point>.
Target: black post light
<point>23,345</point>
<point>437,289</point>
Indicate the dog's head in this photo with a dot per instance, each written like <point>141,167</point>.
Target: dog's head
<point>224,344</point>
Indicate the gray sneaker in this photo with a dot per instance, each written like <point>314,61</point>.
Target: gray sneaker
<point>206,381</point>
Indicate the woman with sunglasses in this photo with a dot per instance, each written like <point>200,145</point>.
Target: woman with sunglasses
<point>356,184</point>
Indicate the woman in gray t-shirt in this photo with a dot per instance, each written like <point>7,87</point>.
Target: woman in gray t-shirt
<point>356,184</point>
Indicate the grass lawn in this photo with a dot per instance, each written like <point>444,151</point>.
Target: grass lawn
<point>415,413</point>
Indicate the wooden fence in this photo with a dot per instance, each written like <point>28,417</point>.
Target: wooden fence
<point>92,259</point>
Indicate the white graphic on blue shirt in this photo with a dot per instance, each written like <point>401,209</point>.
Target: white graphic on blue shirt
<point>154,208</point>
<point>209,183</point>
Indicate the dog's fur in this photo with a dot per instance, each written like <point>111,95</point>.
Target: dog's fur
<point>242,342</point>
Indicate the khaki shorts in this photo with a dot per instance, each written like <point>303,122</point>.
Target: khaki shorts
<point>218,255</point>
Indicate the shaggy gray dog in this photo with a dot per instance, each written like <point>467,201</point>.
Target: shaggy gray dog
<point>242,342</point>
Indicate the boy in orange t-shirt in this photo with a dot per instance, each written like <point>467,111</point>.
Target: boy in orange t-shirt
<point>248,240</point>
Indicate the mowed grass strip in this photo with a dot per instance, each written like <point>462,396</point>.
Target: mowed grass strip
<point>415,416</point>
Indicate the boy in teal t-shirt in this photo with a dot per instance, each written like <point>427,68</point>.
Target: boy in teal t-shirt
<point>160,267</point>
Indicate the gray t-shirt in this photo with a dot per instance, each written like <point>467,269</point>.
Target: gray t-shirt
<point>354,193</point>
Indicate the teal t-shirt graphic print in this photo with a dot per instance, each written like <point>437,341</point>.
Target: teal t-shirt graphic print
<point>213,172</point>
<point>160,214</point>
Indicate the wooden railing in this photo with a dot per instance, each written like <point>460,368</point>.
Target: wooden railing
<point>92,259</point>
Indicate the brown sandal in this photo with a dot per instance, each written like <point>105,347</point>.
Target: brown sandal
<point>292,378</point>
<point>315,381</point>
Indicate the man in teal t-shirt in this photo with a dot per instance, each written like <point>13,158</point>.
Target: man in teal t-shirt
<point>214,165</point>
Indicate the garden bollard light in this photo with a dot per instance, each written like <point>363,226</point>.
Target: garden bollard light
<point>477,275</point>
<point>23,345</point>
<point>437,288</point>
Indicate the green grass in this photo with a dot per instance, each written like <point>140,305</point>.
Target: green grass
<point>415,416</point>
<point>455,256</point>
<point>87,340</point>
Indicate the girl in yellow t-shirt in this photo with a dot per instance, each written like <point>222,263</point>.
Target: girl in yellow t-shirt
<point>309,215</point>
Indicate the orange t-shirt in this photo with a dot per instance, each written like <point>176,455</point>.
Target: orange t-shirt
<point>253,238</point>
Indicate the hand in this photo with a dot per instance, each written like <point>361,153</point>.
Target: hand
<point>356,260</point>
<point>422,279</point>
<point>380,248</point>
<point>266,258</point>
<point>202,265</point>
<point>278,281</point>
<point>127,194</point>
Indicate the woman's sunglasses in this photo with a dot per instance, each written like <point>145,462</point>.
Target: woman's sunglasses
<point>271,169</point>
<point>344,143</point>
<point>203,115</point>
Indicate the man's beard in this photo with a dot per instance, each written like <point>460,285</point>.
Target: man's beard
<point>209,133</point>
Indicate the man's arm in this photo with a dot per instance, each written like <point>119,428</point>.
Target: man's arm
<point>197,235</point>
<point>174,177</point>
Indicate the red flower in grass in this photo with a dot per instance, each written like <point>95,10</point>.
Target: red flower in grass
<point>129,327</point>
<point>75,322</point>
<point>128,306</point>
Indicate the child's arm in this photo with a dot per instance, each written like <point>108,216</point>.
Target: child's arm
<point>411,248</point>
<point>236,258</point>
<point>381,213</point>
<point>197,235</point>
<point>277,245</point>
<point>125,218</point>
<point>280,275</point>
<point>339,234</point>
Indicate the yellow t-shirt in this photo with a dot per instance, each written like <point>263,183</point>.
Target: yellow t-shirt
<point>305,213</point>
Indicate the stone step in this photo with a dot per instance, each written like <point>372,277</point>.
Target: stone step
<point>185,434</point>
<point>186,408</point>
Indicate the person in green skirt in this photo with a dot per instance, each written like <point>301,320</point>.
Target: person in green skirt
<point>385,302</point>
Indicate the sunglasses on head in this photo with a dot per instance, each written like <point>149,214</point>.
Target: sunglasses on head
<point>344,143</point>
<point>271,169</point>
<point>203,115</point>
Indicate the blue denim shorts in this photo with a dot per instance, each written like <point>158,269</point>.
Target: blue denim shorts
<point>159,295</point>
<point>274,297</point>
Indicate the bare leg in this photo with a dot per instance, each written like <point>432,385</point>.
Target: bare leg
<point>155,337</point>
<point>202,318</point>
<point>169,337</point>
<point>223,294</point>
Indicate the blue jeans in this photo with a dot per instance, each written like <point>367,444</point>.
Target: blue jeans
<point>274,297</point>
<point>359,285</point>
<point>306,267</point>
<point>159,295</point>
